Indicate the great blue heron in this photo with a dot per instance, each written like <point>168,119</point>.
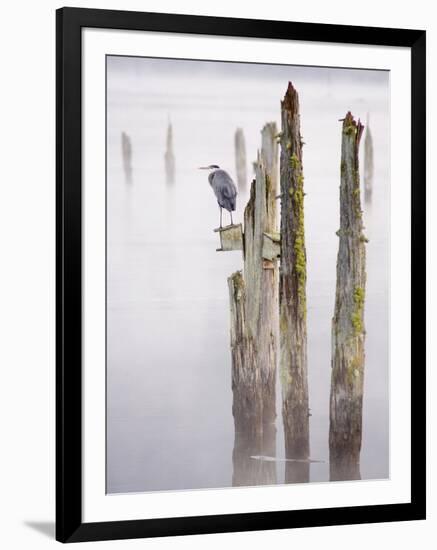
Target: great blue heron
<point>224,189</point>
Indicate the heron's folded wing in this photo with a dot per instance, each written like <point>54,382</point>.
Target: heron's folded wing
<point>227,186</point>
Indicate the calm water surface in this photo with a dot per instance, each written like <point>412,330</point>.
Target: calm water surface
<point>169,419</point>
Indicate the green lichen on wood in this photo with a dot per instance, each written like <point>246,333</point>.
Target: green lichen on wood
<point>238,285</point>
<point>299,243</point>
<point>350,129</point>
<point>275,236</point>
<point>268,186</point>
<point>297,198</point>
<point>283,323</point>
<point>294,161</point>
<point>357,314</point>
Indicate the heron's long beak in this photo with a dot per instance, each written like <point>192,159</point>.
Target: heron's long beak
<point>203,167</point>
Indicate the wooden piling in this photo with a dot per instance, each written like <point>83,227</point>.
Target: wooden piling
<point>126,152</point>
<point>240,159</point>
<point>348,333</point>
<point>169,156</point>
<point>368,163</point>
<point>292,288</point>
<point>254,320</point>
<point>231,237</point>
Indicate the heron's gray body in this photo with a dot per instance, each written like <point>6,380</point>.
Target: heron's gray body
<point>224,189</point>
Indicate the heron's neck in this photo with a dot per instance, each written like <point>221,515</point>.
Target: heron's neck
<point>211,175</point>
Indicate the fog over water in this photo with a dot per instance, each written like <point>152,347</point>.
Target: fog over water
<point>169,397</point>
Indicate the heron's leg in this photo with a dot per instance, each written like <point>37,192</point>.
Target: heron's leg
<point>232,223</point>
<point>220,216</point>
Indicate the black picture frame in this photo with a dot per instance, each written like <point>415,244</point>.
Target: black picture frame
<point>69,525</point>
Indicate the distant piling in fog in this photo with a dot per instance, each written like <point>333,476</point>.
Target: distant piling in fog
<point>254,320</point>
<point>368,163</point>
<point>348,333</point>
<point>292,293</point>
<point>169,158</point>
<point>240,159</point>
<point>126,152</point>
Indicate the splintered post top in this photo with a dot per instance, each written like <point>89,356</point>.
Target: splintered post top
<point>350,125</point>
<point>291,99</point>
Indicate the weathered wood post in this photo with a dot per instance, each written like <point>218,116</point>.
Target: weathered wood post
<point>347,376</point>
<point>254,319</point>
<point>247,402</point>
<point>269,317</point>
<point>368,163</point>
<point>169,156</point>
<point>240,159</point>
<point>126,152</point>
<point>292,292</point>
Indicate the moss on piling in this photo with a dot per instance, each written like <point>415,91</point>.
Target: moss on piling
<point>357,314</point>
<point>238,285</point>
<point>294,161</point>
<point>299,243</point>
<point>350,130</point>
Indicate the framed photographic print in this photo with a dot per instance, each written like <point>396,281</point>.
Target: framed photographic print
<point>240,274</point>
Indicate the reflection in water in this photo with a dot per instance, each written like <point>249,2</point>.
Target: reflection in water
<point>345,430</point>
<point>297,472</point>
<point>344,468</point>
<point>248,469</point>
<point>126,150</point>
